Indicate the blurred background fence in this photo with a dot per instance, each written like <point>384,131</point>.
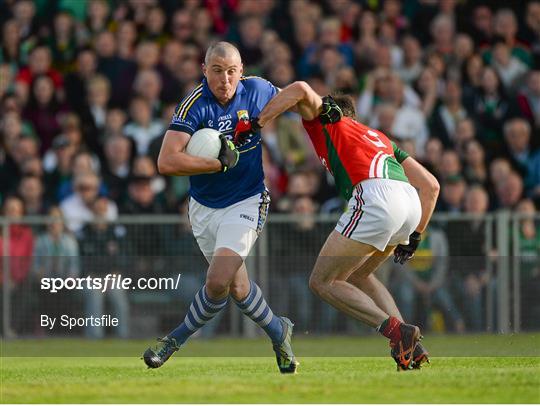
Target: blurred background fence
<point>470,274</point>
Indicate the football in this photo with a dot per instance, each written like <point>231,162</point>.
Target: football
<point>204,143</point>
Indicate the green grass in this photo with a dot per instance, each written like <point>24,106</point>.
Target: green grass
<point>490,378</point>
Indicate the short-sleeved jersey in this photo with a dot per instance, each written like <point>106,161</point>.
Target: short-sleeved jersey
<point>353,152</point>
<point>200,109</point>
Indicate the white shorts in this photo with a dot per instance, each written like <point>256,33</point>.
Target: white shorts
<point>381,212</point>
<point>235,227</point>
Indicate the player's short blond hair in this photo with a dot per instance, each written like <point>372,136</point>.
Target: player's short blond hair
<point>222,49</point>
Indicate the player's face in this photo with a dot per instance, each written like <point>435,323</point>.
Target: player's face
<point>223,75</point>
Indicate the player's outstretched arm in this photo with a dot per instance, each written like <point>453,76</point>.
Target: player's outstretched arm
<point>428,189</point>
<point>173,160</point>
<point>298,96</point>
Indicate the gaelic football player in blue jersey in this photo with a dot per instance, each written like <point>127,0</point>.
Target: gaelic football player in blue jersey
<point>229,202</point>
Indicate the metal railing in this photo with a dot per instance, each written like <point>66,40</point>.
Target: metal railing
<point>279,254</point>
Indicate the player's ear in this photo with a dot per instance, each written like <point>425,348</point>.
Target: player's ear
<point>241,69</point>
<point>203,69</point>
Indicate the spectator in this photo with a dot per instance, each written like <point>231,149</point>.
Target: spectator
<point>509,191</point>
<point>61,153</point>
<point>532,29</point>
<point>141,201</point>
<point>329,36</point>
<point>126,37</point>
<point>412,60</point>
<point>529,268</point>
<point>529,99</point>
<point>296,247</point>
<point>443,31</point>
<point>182,26</point>
<point>40,63</point>
<point>499,169</point>
<point>463,50</point>
<point>422,284</point>
<point>23,149</point>
<point>506,26</point>
<point>142,128</point>
<point>113,67</point>
<point>427,88</point>
<point>472,75</point>
<point>448,114</point>
<point>114,123</point>
<point>154,24</point>
<point>31,191</point>
<point>56,255</point>
<point>102,247</point>
<point>78,208</point>
<point>97,18</point>
<point>145,166</point>
<point>475,170</point>
<point>450,164</point>
<point>509,68</point>
<point>433,156</point>
<point>465,132</point>
<point>44,110</point>
<point>76,81</point>
<point>62,42</point>
<point>21,241</point>
<point>19,250</point>
<point>453,193</point>
<point>386,117</point>
<point>491,108</point>
<point>148,85</point>
<point>94,113</point>
<point>251,30</point>
<point>171,58</point>
<point>116,167</point>
<point>468,257</point>
<point>482,27</point>
<point>83,162</point>
<point>10,49</point>
<point>141,198</point>
<point>517,134</point>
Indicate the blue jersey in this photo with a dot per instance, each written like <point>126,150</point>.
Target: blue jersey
<point>200,109</point>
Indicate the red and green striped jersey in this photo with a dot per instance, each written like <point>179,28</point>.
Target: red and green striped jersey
<point>353,152</point>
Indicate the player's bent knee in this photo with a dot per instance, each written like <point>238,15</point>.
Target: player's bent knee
<point>318,286</point>
<point>239,291</point>
<point>216,287</point>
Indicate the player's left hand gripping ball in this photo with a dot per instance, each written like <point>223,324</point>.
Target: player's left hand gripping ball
<point>244,129</point>
<point>403,253</point>
<point>228,154</point>
<point>331,112</point>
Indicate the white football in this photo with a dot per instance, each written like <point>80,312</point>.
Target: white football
<point>204,143</point>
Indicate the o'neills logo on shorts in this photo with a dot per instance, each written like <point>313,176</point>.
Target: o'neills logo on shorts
<point>245,216</point>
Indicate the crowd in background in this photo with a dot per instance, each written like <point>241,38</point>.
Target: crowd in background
<point>87,89</point>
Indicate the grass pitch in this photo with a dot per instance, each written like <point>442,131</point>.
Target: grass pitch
<point>507,372</point>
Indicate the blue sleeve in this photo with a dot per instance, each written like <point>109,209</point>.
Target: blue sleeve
<point>264,91</point>
<point>187,116</point>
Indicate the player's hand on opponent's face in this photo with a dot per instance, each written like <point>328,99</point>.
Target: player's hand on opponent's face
<point>403,253</point>
<point>331,112</point>
<point>228,154</point>
<point>244,128</point>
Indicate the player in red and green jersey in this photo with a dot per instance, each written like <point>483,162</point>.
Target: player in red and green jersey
<point>391,199</point>
<point>353,152</point>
